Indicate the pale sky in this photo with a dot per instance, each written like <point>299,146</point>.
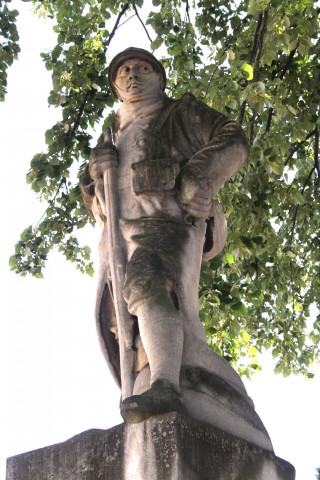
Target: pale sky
<point>56,382</point>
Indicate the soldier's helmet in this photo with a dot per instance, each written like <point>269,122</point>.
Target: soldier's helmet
<point>140,53</point>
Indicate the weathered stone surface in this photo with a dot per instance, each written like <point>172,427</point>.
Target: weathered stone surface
<point>91,455</point>
<point>176,447</point>
<point>164,447</point>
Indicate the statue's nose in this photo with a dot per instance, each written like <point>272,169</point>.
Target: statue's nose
<point>133,73</point>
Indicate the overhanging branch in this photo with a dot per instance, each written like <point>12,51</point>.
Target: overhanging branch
<point>187,15</point>
<point>256,38</point>
<point>291,240</point>
<point>316,151</point>
<point>256,52</point>
<point>298,146</point>
<point>297,207</point>
<point>63,180</point>
<point>281,76</point>
<point>78,119</point>
<point>142,23</point>
<point>123,11</point>
<point>226,48</point>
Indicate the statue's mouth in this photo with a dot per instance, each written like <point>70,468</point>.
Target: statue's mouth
<point>134,85</point>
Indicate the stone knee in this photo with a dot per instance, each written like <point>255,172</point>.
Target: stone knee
<point>148,284</point>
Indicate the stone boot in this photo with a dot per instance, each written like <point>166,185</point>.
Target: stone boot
<point>162,397</point>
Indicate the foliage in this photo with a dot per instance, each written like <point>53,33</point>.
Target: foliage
<point>9,47</point>
<point>256,61</point>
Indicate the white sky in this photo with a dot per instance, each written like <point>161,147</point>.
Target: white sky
<point>56,383</point>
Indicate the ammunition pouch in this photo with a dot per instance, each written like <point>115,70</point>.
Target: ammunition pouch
<point>154,176</point>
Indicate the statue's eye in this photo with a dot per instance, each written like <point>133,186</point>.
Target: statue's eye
<point>124,71</point>
<point>143,68</point>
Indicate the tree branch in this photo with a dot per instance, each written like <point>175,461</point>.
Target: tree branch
<point>293,224</point>
<point>210,80</point>
<point>252,127</point>
<point>257,47</point>
<point>144,27</point>
<point>291,237</point>
<point>292,289</point>
<point>242,111</point>
<point>307,179</point>
<point>269,119</point>
<point>187,16</point>
<point>260,43</point>
<point>281,76</point>
<point>63,180</point>
<point>78,119</point>
<point>297,207</point>
<point>123,11</point>
<point>74,129</point>
<point>298,146</point>
<point>316,150</point>
<point>287,65</point>
<point>256,38</point>
<point>116,25</point>
<point>226,48</point>
<point>127,20</point>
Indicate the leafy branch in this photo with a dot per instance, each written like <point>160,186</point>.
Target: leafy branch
<point>187,14</point>
<point>316,151</point>
<point>256,52</point>
<point>281,76</point>
<point>298,146</point>
<point>9,47</point>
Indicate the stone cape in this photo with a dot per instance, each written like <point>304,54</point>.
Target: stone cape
<point>212,391</point>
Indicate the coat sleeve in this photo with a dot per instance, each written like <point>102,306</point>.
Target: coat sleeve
<point>93,196</point>
<point>223,146</point>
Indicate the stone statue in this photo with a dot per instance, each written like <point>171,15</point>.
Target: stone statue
<point>169,157</point>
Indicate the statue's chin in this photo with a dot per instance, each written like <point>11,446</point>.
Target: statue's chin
<point>139,93</point>
<point>130,97</point>
<point>142,95</point>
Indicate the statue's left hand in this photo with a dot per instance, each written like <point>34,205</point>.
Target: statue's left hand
<point>195,197</point>
<point>102,156</point>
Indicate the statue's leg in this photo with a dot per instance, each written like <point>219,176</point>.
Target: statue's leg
<point>150,294</point>
<point>162,336</point>
<point>151,297</point>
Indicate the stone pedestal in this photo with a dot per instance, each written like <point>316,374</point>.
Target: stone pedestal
<point>165,447</point>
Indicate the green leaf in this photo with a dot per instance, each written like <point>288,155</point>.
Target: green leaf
<point>248,71</point>
<point>239,308</point>
<point>229,258</point>
<point>292,110</point>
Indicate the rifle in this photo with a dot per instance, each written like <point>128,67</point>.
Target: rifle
<point>117,262</point>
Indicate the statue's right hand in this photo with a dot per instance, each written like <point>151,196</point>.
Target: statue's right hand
<point>102,156</point>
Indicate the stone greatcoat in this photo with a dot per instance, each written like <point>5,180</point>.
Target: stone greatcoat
<point>185,135</point>
<point>184,138</point>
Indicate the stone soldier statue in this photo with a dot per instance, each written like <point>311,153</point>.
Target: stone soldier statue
<point>172,156</point>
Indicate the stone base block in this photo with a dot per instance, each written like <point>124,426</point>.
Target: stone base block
<point>165,447</point>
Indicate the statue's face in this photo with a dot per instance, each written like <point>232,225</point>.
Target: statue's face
<point>136,79</point>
